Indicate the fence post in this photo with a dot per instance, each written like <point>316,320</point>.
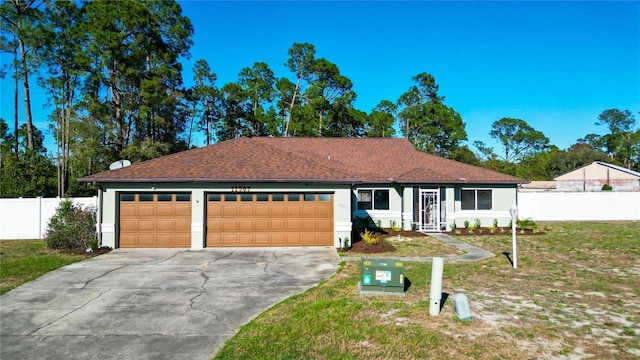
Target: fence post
<point>39,205</point>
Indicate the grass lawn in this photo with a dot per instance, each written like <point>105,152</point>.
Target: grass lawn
<point>24,260</point>
<point>575,295</point>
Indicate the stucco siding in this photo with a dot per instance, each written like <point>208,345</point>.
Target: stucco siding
<point>341,205</point>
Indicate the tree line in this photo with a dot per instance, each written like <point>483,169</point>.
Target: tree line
<point>113,80</point>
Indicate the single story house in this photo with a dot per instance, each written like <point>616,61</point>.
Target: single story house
<point>268,191</point>
<point>597,174</point>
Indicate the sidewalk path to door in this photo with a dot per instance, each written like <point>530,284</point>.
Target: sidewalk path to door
<point>472,253</point>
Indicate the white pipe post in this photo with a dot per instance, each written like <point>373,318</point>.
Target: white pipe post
<point>436,286</point>
<point>515,253</point>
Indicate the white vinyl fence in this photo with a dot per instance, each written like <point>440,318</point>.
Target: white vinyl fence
<point>28,218</point>
<point>589,206</point>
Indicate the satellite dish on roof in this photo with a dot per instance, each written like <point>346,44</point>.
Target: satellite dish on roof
<point>119,164</point>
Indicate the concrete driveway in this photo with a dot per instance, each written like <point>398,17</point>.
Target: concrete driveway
<point>153,303</point>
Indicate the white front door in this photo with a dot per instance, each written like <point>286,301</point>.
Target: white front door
<point>429,210</point>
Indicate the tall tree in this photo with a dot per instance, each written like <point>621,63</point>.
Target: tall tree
<point>64,62</point>
<point>518,140</point>
<point>206,98</point>
<point>19,18</point>
<point>381,119</point>
<point>301,59</point>
<point>426,121</point>
<point>258,83</point>
<point>621,141</point>
<point>134,86</point>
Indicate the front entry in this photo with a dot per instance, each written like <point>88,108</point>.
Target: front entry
<point>429,210</point>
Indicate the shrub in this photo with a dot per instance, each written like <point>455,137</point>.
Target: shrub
<point>527,224</point>
<point>466,224</point>
<point>607,187</point>
<point>72,227</point>
<point>370,238</point>
<point>453,226</point>
<point>395,226</point>
<point>477,223</point>
<point>346,243</point>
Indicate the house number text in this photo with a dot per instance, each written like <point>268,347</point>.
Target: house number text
<point>240,189</point>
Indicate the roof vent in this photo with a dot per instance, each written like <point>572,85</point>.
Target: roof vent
<point>463,179</point>
<point>119,164</point>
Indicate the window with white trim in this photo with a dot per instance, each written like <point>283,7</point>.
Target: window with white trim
<point>373,199</point>
<point>476,199</point>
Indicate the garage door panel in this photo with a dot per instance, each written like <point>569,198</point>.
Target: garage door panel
<point>230,225</point>
<point>128,210</point>
<point>214,225</point>
<point>294,224</point>
<point>309,225</point>
<point>245,239</point>
<point>146,225</point>
<point>325,225</point>
<point>164,211</point>
<point>230,210</point>
<point>262,239</point>
<point>324,211</point>
<point>183,226</point>
<point>246,210</point>
<point>164,240</point>
<point>294,239</point>
<point>278,211</point>
<point>146,239</point>
<point>182,210</point>
<point>262,211</point>
<point>214,240</point>
<point>262,224</point>
<point>146,210</point>
<point>278,239</point>
<point>214,210</point>
<point>325,239</point>
<point>310,211</point>
<point>160,222</point>
<point>278,225</point>
<point>245,225</point>
<point>287,221</point>
<point>294,210</point>
<point>230,239</point>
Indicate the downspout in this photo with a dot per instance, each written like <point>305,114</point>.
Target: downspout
<point>99,217</point>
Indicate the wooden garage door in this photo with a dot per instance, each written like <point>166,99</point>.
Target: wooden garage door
<point>155,220</point>
<point>276,219</point>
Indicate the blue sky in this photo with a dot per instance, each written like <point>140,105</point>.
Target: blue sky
<point>556,65</point>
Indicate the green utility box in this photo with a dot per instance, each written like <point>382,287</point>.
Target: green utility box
<point>382,274</point>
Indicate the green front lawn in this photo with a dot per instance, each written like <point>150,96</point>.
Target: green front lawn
<point>575,294</point>
<point>25,260</point>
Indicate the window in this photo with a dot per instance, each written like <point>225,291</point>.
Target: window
<point>145,197</point>
<point>183,197</point>
<point>230,197</point>
<point>127,197</point>
<point>293,197</point>
<point>165,197</point>
<point>277,197</point>
<point>246,197</point>
<point>476,199</point>
<point>373,199</point>
<point>214,197</point>
<point>262,197</point>
<point>324,197</point>
<point>309,197</point>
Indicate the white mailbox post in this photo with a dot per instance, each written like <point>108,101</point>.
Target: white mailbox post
<point>514,218</point>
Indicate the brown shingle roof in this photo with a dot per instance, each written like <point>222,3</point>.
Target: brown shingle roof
<point>345,160</point>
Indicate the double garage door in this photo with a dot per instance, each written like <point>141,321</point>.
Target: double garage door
<point>233,219</point>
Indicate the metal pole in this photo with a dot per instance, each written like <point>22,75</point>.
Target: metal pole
<point>515,253</point>
<point>435,294</point>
